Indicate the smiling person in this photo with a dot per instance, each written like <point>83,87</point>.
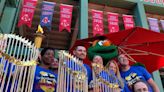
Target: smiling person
<point>112,65</point>
<point>45,80</point>
<point>131,74</point>
<point>80,52</point>
<point>47,58</point>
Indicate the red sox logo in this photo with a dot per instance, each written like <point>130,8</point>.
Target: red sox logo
<point>64,23</point>
<point>45,20</point>
<point>25,17</point>
<point>98,28</point>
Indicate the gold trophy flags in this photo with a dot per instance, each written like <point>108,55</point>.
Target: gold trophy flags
<point>17,63</point>
<point>72,75</point>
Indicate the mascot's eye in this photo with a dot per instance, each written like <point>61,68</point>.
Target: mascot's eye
<point>100,43</point>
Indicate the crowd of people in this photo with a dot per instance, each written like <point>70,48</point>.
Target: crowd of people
<point>130,78</point>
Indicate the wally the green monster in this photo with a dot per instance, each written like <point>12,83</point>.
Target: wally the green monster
<point>104,48</point>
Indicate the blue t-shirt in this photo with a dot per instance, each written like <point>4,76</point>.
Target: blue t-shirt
<point>134,74</point>
<point>44,81</point>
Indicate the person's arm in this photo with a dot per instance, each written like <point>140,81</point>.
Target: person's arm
<point>149,79</point>
<point>153,85</point>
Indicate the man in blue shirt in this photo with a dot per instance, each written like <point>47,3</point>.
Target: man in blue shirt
<point>131,74</point>
<point>45,80</point>
<point>81,53</point>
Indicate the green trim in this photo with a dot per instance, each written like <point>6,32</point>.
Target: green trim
<point>2,4</point>
<point>17,15</point>
<point>140,16</point>
<point>134,1</point>
<point>7,19</point>
<point>83,19</point>
<point>157,79</point>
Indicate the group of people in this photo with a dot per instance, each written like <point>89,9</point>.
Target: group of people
<point>130,78</point>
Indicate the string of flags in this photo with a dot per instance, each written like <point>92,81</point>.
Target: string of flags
<point>154,24</point>
<point>113,22</point>
<point>27,12</point>
<point>47,12</point>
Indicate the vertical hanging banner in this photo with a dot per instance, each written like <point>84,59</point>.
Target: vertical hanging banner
<point>113,25</point>
<point>65,17</point>
<point>27,12</point>
<point>128,21</point>
<point>97,22</point>
<point>162,24</point>
<point>153,24</point>
<point>47,14</point>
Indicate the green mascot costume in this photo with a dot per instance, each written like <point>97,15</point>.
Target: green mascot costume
<point>104,48</point>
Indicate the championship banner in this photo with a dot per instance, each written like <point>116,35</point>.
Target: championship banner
<point>97,22</point>
<point>65,17</point>
<point>27,12</point>
<point>113,20</point>
<point>153,24</point>
<point>128,21</point>
<point>162,24</point>
<point>47,14</point>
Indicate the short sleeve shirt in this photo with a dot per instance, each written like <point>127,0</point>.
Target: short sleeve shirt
<point>44,81</point>
<point>135,73</point>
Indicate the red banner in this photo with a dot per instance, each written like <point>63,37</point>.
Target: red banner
<point>27,12</point>
<point>113,25</point>
<point>97,22</point>
<point>128,21</point>
<point>65,17</point>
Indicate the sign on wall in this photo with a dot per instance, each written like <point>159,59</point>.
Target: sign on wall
<point>97,22</point>
<point>153,24</point>
<point>154,1</point>
<point>113,20</point>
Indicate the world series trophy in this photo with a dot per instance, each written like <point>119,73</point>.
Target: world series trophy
<point>17,63</point>
<point>72,75</point>
<point>103,80</point>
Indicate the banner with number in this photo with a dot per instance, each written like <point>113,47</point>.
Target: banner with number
<point>27,12</point>
<point>113,20</point>
<point>65,17</point>
<point>97,22</point>
<point>128,21</point>
<point>47,14</point>
<point>153,24</point>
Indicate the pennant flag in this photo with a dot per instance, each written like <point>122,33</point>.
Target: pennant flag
<point>128,21</point>
<point>97,22</point>
<point>27,12</point>
<point>47,14</point>
<point>162,24</point>
<point>153,24</point>
<point>65,17</point>
<point>113,25</point>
